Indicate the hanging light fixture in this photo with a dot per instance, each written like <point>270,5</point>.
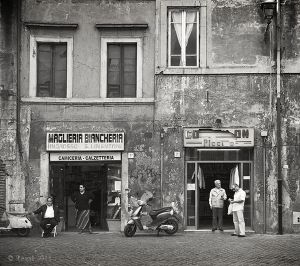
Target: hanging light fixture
<point>269,9</point>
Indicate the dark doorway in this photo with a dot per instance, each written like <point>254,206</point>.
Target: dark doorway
<point>212,172</point>
<point>100,179</point>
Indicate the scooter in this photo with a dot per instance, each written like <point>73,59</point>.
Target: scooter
<point>18,223</point>
<point>164,219</point>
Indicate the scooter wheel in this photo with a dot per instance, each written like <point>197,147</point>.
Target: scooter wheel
<point>129,230</point>
<point>174,224</point>
<point>23,231</point>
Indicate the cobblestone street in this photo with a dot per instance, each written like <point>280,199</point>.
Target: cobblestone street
<point>192,248</point>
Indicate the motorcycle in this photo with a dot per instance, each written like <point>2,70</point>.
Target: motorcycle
<point>164,219</point>
<point>18,223</point>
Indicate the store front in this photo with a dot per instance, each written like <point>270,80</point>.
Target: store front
<point>223,154</point>
<point>92,159</point>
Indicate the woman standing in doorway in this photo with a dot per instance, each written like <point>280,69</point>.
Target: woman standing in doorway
<point>82,200</point>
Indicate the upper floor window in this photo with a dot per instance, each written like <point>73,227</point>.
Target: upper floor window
<point>51,70</point>
<point>121,70</point>
<point>183,38</point>
<point>51,65</point>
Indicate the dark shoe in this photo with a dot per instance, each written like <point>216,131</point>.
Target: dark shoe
<point>214,229</point>
<point>241,236</point>
<point>233,234</point>
<point>221,229</point>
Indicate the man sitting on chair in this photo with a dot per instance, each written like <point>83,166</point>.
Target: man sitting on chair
<point>50,217</point>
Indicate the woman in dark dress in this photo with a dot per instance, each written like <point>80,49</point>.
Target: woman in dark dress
<point>82,201</point>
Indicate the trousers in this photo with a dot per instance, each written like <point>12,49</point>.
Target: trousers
<point>217,221</point>
<point>48,229</point>
<point>239,222</point>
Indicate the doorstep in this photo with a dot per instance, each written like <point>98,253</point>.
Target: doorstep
<point>209,230</point>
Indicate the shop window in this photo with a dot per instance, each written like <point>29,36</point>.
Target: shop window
<point>50,67</point>
<point>121,68</point>
<point>114,192</point>
<point>183,33</point>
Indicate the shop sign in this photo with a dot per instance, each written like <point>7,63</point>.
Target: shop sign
<point>85,156</point>
<point>85,141</point>
<point>219,138</point>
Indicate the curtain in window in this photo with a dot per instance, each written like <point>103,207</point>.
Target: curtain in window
<point>176,17</point>
<point>234,177</point>
<point>190,18</point>
<point>188,27</point>
<point>200,177</point>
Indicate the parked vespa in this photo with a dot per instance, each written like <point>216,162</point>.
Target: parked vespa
<point>164,219</point>
<point>15,223</point>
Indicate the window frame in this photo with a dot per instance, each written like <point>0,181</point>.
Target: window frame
<point>139,64</point>
<point>122,69</point>
<point>34,40</point>
<point>183,23</point>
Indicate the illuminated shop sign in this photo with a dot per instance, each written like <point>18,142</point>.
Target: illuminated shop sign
<point>85,141</point>
<point>85,156</point>
<point>219,138</point>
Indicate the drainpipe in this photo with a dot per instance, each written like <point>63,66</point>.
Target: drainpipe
<point>278,113</point>
<point>264,135</point>
<point>162,134</point>
<point>18,102</point>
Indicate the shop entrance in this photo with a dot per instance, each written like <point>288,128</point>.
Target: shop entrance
<point>101,179</point>
<point>200,177</point>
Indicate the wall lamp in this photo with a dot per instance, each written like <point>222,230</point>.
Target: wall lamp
<point>269,9</point>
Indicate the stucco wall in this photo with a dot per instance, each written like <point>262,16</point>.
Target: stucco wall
<point>239,87</point>
<point>86,38</point>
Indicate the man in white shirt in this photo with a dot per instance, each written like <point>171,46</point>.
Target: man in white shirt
<point>238,211</point>
<point>50,217</point>
<point>216,202</point>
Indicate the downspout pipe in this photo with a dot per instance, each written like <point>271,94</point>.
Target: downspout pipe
<point>278,114</point>
<point>18,100</point>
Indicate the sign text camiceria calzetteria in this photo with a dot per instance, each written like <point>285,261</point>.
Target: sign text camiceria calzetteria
<point>85,141</point>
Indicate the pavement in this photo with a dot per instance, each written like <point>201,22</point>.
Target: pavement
<point>184,248</point>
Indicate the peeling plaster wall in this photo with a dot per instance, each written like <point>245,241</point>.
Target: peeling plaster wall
<point>9,156</point>
<point>135,119</point>
<point>237,27</point>
<point>291,146</point>
<point>237,46</point>
<point>237,42</point>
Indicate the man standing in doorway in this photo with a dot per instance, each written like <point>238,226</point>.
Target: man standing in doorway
<point>238,211</point>
<point>216,201</point>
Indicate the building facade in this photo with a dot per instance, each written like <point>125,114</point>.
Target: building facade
<point>165,96</point>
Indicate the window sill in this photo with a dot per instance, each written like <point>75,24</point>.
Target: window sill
<point>216,69</point>
<point>87,101</point>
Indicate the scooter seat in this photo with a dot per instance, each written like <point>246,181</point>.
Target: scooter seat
<point>156,212</point>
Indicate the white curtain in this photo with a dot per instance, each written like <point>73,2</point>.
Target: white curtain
<point>190,18</point>
<point>177,19</point>
<point>234,177</point>
<point>201,180</point>
<point>200,177</point>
